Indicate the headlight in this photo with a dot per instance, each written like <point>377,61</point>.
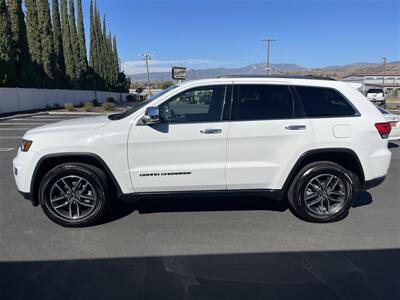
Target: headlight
<point>26,145</point>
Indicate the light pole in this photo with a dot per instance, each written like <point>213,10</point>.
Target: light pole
<point>146,57</point>
<point>269,41</point>
<point>384,73</point>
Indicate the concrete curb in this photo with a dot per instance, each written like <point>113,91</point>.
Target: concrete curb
<point>24,115</point>
<point>77,113</point>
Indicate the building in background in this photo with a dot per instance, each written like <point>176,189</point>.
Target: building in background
<point>390,84</point>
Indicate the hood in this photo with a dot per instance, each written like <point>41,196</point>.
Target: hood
<point>79,124</point>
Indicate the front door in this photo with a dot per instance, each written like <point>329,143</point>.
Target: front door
<point>187,151</point>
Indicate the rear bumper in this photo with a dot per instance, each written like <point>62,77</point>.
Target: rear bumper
<point>369,184</point>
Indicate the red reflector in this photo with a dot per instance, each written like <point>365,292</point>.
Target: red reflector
<point>384,129</point>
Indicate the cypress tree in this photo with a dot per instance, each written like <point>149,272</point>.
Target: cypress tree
<point>58,44</point>
<point>66,36</point>
<point>46,34</point>
<point>92,36</point>
<point>74,41</point>
<point>32,24</point>
<point>20,47</point>
<point>115,59</point>
<point>81,38</point>
<point>7,66</point>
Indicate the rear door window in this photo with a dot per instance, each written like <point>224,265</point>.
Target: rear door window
<point>262,102</point>
<point>324,102</point>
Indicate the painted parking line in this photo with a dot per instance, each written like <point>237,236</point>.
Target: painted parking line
<point>14,129</point>
<point>11,137</point>
<point>6,149</point>
<point>35,119</point>
<point>8,124</point>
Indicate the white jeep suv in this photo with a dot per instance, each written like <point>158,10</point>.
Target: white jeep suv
<point>313,142</point>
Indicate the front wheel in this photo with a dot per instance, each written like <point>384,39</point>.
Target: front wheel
<point>321,192</point>
<point>74,194</point>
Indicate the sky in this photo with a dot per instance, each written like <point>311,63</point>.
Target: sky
<point>220,33</point>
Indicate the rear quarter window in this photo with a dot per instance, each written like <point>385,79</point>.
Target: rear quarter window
<point>324,102</point>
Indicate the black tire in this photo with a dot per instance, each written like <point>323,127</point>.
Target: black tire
<point>301,185</point>
<point>97,180</point>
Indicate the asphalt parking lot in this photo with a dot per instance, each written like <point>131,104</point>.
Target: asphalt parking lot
<point>213,248</point>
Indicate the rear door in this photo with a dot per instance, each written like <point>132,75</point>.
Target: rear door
<point>264,139</point>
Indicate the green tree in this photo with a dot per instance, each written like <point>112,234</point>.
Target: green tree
<point>115,56</point>
<point>66,37</point>
<point>58,44</point>
<point>33,31</point>
<point>46,34</point>
<point>74,42</point>
<point>167,84</point>
<point>7,65</point>
<point>23,64</point>
<point>81,38</point>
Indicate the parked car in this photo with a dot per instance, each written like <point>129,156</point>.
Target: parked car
<point>394,122</point>
<point>377,96</point>
<point>313,142</point>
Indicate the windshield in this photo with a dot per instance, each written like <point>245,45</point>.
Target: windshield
<point>376,91</point>
<point>139,105</point>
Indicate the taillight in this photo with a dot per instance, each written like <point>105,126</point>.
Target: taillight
<point>384,129</point>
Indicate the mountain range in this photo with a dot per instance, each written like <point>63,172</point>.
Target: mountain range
<point>280,69</point>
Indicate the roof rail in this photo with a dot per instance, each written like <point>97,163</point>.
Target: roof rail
<point>279,76</point>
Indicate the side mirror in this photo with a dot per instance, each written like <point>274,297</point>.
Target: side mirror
<point>151,116</point>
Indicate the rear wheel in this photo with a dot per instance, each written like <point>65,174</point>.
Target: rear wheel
<point>321,192</point>
<point>74,194</point>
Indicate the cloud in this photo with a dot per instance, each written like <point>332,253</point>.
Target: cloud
<point>132,67</point>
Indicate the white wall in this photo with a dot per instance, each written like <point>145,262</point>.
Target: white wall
<point>19,99</point>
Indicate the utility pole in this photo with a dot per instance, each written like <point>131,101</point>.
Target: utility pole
<point>384,73</point>
<point>146,57</point>
<point>269,41</point>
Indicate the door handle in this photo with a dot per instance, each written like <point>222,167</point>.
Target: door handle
<point>210,131</point>
<point>296,127</point>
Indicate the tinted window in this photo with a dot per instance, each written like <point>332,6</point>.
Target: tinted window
<point>264,102</point>
<point>324,102</point>
<point>204,104</point>
<point>376,91</point>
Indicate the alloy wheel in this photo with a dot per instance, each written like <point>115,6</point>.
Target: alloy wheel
<point>325,194</point>
<point>73,198</point>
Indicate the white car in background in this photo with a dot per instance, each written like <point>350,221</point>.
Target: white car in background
<point>394,123</point>
<point>376,96</point>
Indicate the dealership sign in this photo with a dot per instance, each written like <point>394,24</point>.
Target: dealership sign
<point>179,73</point>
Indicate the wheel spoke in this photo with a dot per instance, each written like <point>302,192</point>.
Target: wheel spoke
<point>66,184</point>
<point>329,182</point>
<point>340,200</point>
<point>87,197</point>
<point>312,196</point>
<point>77,209</point>
<point>77,184</point>
<point>61,190</point>
<point>321,186</point>
<point>83,188</point>
<point>337,193</point>
<point>85,204</point>
<point>62,205</point>
<point>314,202</point>
<point>334,185</point>
<point>70,209</point>
<point>58,198</point>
